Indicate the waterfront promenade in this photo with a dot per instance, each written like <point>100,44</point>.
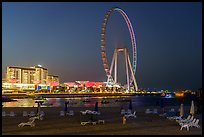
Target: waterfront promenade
<point>53,124</point>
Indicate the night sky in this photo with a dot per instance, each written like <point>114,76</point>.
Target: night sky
<point>65,38</point>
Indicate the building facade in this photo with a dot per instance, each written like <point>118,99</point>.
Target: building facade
<point>27,75</point>
<point>53,79</point>
<point>20,75</point>
<point>41,74</point>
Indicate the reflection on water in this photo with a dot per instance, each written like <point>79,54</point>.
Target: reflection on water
<point>29,102</point>
<point>78,101</point>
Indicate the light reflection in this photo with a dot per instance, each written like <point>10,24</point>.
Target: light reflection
<point>78,102</point>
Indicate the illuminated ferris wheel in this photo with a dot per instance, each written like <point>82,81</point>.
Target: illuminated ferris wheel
<point>130,80</point>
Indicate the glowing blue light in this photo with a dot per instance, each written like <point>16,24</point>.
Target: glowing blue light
<point>48,87</point>
<point>38,87</point>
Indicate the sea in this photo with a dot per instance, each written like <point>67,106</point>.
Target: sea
<point>112,101</point>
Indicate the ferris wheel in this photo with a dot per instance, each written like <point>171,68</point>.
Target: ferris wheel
<point>107,69</point>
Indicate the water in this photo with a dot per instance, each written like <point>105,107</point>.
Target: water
<point>146,100</point>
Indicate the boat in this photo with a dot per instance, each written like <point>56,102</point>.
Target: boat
<point>167,95</point>
<point>163,94</point>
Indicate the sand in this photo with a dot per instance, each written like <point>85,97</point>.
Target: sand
<point>53,124</point>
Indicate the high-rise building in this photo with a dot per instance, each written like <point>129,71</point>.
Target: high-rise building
<point>41,74</point>
<point>16,74</point>
<point>27,75</point>
<point>52,78</point>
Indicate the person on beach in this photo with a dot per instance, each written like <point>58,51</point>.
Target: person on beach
<point>124,120</point>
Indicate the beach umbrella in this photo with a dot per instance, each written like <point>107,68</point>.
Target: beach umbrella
<point>96,107</point>
<point>130,105</point>
<point>38,108</point>
<point>65,107</point>
<point>181,110</point>
<point>192,108</point>
<point>162,104</point>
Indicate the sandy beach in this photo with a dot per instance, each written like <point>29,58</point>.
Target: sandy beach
<point>53,124</point>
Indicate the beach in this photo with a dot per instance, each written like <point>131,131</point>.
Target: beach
<point>53,124</point>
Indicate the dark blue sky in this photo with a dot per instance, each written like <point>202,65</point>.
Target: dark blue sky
<point>65,38</point>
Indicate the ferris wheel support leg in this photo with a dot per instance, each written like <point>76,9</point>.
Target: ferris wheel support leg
<point>133,76</point>
<point>112,63</point>
<point>116,58</point>
<point>127,72</point>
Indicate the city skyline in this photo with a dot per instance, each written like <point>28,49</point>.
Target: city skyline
<point>65,38</point>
